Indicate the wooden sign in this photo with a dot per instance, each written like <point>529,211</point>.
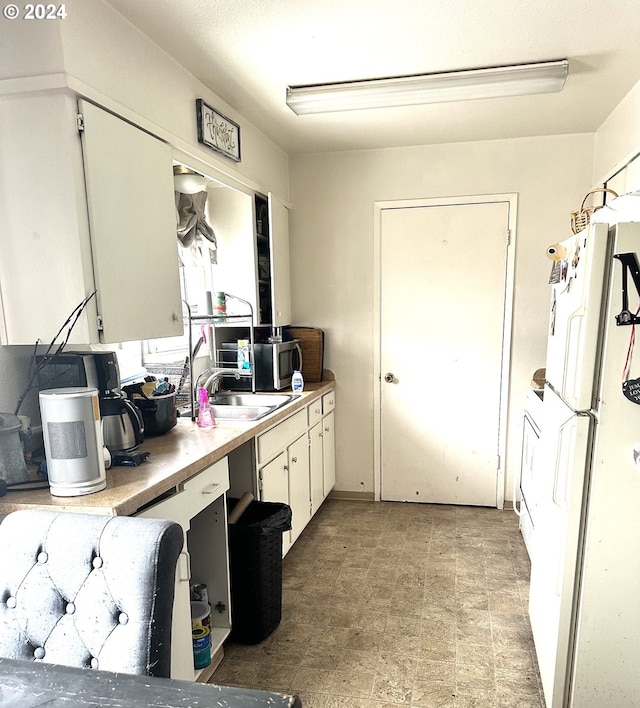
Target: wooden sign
<point>217,131</point>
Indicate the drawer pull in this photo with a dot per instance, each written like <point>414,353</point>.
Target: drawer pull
<point>318,411</point>
<point>326,430</point>
<point>211,489</point>
<point>294,460</point>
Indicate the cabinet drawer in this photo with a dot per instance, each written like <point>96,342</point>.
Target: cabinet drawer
<point>205,487</point>
<point>281,435</point>
<point>314,412</point>
<point>328,402</point>
<point>173,508</point>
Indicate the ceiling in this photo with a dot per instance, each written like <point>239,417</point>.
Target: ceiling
<point>249,51</point>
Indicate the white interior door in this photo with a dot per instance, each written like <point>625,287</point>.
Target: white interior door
<point>442,280</point>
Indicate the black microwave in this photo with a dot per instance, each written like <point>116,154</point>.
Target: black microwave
<point>275,363</point>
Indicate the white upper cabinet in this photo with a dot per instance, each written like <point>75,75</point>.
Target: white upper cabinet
<point>80,211</point>
<point>130,197</point>
<point>280,269</point>
<point>252,233</point>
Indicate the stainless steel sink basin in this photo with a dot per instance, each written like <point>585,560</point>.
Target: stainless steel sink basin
<point>227,412</point>
<point>245,406</point>
<point>271,400</point>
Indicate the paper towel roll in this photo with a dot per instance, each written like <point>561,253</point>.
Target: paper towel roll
<point>556,252</point>
<point>240,507</point>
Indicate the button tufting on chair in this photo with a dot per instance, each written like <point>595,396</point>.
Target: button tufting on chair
<point>67,576</point>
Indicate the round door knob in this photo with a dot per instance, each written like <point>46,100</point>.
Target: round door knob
<point>389,378</point>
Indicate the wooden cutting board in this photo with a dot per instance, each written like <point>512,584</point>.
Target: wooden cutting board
<point>312,344</point>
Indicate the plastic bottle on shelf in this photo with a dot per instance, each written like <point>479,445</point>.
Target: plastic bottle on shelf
<point>297,382</point>
<point>244,361</point>
<point>205,414</point>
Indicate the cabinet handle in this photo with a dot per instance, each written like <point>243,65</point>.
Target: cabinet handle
<point>286,468</point>
<point>331,401</point>
<point>294,460</point>
<point>321,435</point>
<point>211,488</point>
<point>326,430</point>
<point>186,566</point>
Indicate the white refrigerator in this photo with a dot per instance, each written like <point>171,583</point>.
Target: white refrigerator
<point>584,601</point>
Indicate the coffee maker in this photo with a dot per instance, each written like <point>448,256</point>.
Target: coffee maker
<point>122,423</point>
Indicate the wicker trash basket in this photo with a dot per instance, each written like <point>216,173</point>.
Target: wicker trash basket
<point>255,563</point>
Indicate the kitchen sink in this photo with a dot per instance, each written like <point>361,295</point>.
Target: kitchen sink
<point>230,412</point>
<point>244,406</point>
<point>270,400</point>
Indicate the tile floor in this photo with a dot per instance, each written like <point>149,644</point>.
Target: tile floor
<point>399,604</point>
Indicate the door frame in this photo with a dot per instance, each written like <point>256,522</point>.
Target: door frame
<point>378,207</point>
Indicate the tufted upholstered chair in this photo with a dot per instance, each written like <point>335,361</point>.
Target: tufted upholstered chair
<point>88,591</point>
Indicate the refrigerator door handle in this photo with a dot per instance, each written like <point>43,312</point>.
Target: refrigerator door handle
<point>566,442</point>
<point>517,511</point>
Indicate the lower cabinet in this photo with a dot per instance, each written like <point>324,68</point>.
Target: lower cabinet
<point>200,507</point>
<point>299,491</point>
<point>273,481</point>
<point>316,466</point>
<point>328,453</point>
<point>296,462</point>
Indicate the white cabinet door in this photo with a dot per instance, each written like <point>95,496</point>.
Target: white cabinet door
<point>81,216</point>
<point>274,485</point>
<point>329,452</point>
<point>316,467</point>
<point>299,492</point>
<point>129,182</point>
<point>175,509</point>
<point>280,268</point>
<point>45,267</point>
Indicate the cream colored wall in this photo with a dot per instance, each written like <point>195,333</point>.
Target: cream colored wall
<point>332,258</point>
<point>109,54</point>
<point>618,138</point>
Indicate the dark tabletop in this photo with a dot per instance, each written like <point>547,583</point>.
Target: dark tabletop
<point>25,684</point>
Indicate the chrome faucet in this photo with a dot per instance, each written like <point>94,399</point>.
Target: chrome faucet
<point>212,384</point>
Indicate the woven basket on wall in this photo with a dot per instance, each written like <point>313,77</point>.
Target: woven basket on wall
<point>580,218</point>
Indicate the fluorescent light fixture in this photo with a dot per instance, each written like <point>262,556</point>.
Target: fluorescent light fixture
<point>495,82</point>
